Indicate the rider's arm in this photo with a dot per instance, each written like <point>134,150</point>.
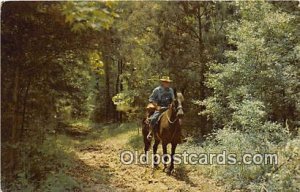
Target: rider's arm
<point>154,97</point>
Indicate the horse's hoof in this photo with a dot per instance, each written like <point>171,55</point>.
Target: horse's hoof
<point>155,166</point>
<point>165,168</point>
<point>173,172</point>
<point>168,172</point>
<point>145,159</point>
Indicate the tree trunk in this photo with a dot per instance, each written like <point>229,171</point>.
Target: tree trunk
<point>14,129</point>
<point>24,108</point>
<point>201,71</point>
<point>121,87</point>
<point>201,60</point>
<point>117,89</point>
<point>107,90</point>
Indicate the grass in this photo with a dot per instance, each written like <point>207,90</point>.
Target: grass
<point>136,142</point>
<point>102,132</point>
<point>117,129</point>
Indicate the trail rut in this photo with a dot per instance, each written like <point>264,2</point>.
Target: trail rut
<point>102,169</point>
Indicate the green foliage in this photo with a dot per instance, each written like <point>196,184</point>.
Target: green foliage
<point>136,142</point>
<point>274,139</point>
<point>124,101</point>
<point>262,68</point>
<point>138,49</point>
<point>285,178</point>
<point>250,133</point>
<point>89,15</point>
<point>235,62</point>
<point>22,183</point>
<point>60,182</point>
<point>45,166</point>
<point>255,99</point>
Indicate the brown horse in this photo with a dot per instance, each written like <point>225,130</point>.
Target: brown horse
<point>167,132</point>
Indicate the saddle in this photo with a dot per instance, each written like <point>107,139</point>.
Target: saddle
<point>151,109</point>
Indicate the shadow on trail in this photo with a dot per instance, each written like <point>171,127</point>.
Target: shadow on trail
<point>181,174</point>
<point>58,166</point>
<point>90,174</point>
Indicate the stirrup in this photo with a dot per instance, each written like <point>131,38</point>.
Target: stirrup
<point>147,121</point>
<point>149,137</point>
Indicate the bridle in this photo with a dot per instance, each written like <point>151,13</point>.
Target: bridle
<point>177,108</point>
<point>176,119</point>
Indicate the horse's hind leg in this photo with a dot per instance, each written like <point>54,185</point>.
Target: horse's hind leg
<point>147,145</point>
<point>155,158</point>
<point>147,142</point>
<point>145,131</point>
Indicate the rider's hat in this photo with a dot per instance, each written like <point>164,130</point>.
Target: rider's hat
<point>166,79</point>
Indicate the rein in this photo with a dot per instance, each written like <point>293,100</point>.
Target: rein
<point>172,122</point>
<point>179,107</point>
<point>170,119</point>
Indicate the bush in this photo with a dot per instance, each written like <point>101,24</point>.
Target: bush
<point>262,138</point>
<point>45,166</point>
<point>286,176</point>
<point>249,131</point>
<point>59,182</point>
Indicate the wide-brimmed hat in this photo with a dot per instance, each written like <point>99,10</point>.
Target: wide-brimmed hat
<point>166,79</point>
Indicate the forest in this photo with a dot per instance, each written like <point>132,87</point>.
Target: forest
<point>76,77</point>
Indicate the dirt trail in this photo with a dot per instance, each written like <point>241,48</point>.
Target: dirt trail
<point>100,164</point>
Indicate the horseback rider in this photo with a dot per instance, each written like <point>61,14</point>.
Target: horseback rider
<point>159,101</point>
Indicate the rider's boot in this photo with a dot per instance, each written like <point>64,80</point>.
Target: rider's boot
<point>150,134</point>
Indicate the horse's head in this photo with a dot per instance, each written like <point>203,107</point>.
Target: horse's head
<point>178,105</point>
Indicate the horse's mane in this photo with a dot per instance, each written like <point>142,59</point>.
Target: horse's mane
<point>180,96</point>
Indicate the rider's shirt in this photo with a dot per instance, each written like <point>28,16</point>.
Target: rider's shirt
<point>162,96</point>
